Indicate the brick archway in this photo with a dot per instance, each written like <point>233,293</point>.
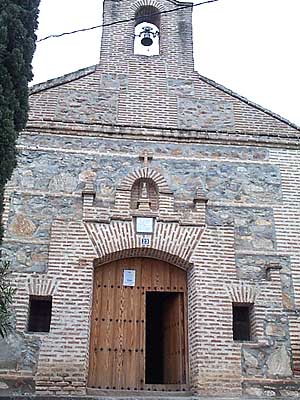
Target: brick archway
<point>146,253</point>
<point>172,241</point>
<point>142,3</point>
<point>145,173</point>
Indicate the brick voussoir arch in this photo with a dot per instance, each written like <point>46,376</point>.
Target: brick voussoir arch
<point>143,252</point>
<point>146,173</point>
<point>41,285</point>
<point>146,3</point>
<point>242,293</point>
<point>170,241</point>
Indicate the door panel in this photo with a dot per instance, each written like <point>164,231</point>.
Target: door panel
<point>117,344</point>
<point>174,343</point>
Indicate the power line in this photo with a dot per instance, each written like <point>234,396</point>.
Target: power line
<point>124,20</point>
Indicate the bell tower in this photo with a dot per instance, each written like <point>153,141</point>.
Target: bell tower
<point>170,31</point>
<point>138,89</point>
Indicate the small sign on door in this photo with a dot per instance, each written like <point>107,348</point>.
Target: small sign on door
<point>129,277</point>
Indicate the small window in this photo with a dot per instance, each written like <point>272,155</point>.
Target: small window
<point>241,320</point>
<point>39,319</point>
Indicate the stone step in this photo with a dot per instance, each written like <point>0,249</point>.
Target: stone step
<point>137,396</point>
<point>139,393</point>
<point>149,396</point>
<point>98,394</point>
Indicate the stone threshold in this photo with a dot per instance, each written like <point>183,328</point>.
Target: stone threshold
<point>149,396</point>
<point>140,393</point>
<point>116,396</point>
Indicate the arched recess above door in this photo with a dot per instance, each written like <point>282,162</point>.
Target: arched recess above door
<point>174,239</point>
<point>146,253</point>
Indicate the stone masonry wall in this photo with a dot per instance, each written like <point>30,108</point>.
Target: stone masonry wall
<point>45,238</point>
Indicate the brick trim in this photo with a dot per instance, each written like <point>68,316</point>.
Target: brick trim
<point>145,172</point>
<point>207,136</point>
<point>51,83</point>
<point>241,293</point>
<point>41,286</point>
<point>142,3</point>
<point>143,252</point>
<point>170,241</point>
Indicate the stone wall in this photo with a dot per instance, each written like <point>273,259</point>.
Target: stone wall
<point>44,236</point>
<point>19,354</point>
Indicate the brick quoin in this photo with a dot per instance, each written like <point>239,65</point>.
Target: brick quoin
<point>147,136</point>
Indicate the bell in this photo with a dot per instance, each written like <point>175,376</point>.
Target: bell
<point>147,41</point>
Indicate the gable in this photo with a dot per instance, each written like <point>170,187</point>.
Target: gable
<point>153,97</point>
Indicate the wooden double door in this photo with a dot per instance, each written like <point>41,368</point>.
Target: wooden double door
<point>138,326</point>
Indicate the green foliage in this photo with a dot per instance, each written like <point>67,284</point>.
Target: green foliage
<point>6,298</point>
<point>18,22</point>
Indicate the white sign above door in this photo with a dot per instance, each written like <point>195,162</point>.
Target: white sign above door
<point>129,277</point>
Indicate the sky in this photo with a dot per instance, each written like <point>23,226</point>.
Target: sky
<point>249,46</point>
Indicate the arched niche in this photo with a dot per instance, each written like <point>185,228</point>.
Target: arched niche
<point>146,189</point>
<point>147,24</point>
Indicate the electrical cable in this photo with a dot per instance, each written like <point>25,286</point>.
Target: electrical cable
<point>124,20</point>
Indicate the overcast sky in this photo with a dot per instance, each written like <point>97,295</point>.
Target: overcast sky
<point>250,46</point>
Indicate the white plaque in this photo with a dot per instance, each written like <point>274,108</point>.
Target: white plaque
<point>129,277</point>
<point>144,225</point>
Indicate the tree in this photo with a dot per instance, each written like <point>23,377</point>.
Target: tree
<point>18,22</point>
<point>6,298</point>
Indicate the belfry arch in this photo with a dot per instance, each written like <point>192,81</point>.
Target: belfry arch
<point>147,31</point>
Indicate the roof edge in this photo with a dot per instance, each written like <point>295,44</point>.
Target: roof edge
<point>248,102</point>
<point>182,3</point>
<point>72,76</point>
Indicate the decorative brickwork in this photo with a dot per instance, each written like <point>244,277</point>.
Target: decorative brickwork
<point>41,286</point>
<point>153,3</point>
<point>242,293</point>
<point>119,236</point>
<point>145,173</point>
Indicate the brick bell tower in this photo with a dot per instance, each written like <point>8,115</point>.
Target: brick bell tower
<point>175,35</point>
<point>147,86</point>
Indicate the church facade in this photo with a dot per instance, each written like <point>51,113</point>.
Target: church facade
<point>152,226</point>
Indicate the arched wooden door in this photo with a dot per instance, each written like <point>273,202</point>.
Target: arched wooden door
<point>138,326</point>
